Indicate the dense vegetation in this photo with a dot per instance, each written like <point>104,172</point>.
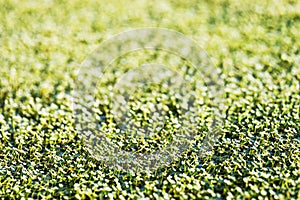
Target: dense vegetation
<point>255,45</point>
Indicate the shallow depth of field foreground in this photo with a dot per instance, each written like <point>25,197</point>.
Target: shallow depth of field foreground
<point>255,46</point>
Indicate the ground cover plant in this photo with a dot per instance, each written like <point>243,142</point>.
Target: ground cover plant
<point>254,44</point>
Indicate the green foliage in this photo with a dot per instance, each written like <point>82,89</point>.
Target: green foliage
<point>256,46</point>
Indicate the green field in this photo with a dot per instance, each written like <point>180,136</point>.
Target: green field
<point>254,44</point>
